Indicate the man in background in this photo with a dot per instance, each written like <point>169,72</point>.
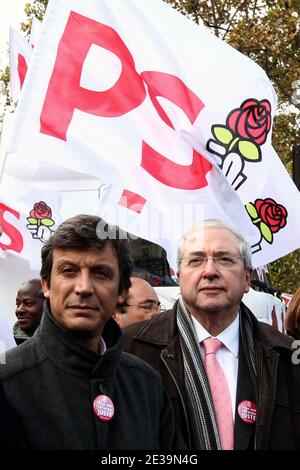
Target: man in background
<point>141,303</point>
<point>29,309</point>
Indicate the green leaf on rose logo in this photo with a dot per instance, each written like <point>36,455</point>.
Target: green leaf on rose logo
<point>47,222</point>
<point>250,208</point>
<point>266,232</point>
<point>32,220</point>
<point>249,150</point>
<point>222,134</point>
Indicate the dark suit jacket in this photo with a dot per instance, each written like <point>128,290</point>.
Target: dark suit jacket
<point>275,390</point>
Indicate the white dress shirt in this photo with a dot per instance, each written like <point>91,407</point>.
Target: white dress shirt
<point>227,356</point>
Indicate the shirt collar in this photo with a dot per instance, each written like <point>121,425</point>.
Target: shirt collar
<point>102,346</point>
<point>229,337</point>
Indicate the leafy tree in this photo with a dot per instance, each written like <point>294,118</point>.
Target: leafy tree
<point>267,31</point>
<point>37,9</point>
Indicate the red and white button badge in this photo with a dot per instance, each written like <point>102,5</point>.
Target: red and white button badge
<point>247,411</point>
<point>104,408</point>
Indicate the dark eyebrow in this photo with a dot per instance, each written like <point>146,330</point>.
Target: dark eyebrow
<point>25,299</point>
<point>193,253</point>
<point>216,253</point>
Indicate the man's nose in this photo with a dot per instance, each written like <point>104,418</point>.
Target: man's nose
<point>84,285</point>
<point>210,269</point>
<point>20,308</point>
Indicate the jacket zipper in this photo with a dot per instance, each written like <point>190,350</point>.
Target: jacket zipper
<point>181,398</point>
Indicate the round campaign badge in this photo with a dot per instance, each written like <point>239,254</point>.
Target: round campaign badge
<point>247,411</point>
<point>104,408</point>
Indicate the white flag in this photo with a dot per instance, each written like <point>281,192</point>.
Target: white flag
<point>19,58</point>
<point>133,92</point>
<point>35,31</point>
<point>28,218</point>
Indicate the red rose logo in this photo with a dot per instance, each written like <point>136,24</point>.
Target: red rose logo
<point>272,214</point>
<point>252,121</point>
<point>41,211</point>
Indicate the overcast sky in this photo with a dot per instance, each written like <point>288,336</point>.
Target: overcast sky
<point>12,13</point>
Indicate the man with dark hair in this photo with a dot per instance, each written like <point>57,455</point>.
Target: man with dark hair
<point>70,385</point>
<point>29,309</point>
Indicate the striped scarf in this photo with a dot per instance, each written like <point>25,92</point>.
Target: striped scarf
<point>202,417</point>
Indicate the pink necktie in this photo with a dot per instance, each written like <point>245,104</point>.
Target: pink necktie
<point>220,392</point>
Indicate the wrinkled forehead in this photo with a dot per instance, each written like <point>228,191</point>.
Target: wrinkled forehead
<point>32,292</point>
<point>214,239</point>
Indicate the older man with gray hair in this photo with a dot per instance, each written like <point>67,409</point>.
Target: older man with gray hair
<point>232,379</point>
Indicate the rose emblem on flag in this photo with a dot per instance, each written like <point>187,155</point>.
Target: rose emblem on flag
<point>271,213</point>
<point>41,211</point>
<point>239,141</point>
<point>39,221</point>
<point>252,121</point>
<point>268,216</point>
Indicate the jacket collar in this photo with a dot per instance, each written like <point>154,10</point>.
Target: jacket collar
<point>160,330</point>
<point>67,353</point>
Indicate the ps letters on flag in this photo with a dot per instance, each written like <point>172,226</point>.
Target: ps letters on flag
<point>134,93</point>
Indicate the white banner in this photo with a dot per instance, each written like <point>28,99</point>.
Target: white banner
<point>133,92</point>
<point>19,58</point>
<point>28,217</point>
<point>35,31</point>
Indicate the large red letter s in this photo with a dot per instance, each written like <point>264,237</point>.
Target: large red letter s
<point>16,239</point>
<point>64,92</point>
<point>173,174</point>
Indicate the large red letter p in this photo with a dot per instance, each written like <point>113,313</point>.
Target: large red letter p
<point>64,92</point>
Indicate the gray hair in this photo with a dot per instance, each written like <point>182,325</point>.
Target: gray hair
<point>244,245</point>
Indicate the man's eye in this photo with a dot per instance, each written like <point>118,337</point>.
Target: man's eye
<point>68,270</point>
<point>196,261</point>
<point>102,273</point>
<point>225,260</point>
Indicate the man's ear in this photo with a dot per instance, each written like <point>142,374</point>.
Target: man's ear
<point>122,296</point>
<point>249,273</point>
<point>45,288</point>
<point>116,317</point>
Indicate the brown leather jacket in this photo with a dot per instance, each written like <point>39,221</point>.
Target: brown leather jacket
<point>277,385</point>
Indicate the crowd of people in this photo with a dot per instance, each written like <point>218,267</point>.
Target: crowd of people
<point>100,364</point>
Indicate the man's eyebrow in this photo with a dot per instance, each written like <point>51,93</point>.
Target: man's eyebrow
<point>202,253</point>
<point>193,253</point>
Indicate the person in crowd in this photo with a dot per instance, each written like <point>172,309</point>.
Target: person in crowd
<point>292,319</point>
<point>141,303</point>
<point>232,379</point>
<point>29,309</point>
<point>70,385</point>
